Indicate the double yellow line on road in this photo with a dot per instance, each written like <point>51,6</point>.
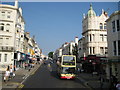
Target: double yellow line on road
<point>20,86</point>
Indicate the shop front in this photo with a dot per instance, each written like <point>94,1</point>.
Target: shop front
<point>19,59</point>
<point>94,64</point>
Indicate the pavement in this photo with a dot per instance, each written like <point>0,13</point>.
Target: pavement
<point>89,80</point>
<point>21,75</point>
<point>92,81</point>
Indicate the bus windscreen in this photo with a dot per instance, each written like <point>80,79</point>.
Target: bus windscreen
<point>68,60</point>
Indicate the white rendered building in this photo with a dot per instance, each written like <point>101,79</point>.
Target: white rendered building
<point>57,53</point>
<point>11,33</point>
<point>66,48</point>
<point>113,28</point>
<point>94,34</point>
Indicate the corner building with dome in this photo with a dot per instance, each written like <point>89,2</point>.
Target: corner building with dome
<point>92,47</point>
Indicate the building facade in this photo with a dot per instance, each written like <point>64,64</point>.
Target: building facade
<point>66,49</point>
<point>11,33</point>
<point>113,29</point>
<point>16,45</point>
<point>93,44</point>
<point>94,33</point>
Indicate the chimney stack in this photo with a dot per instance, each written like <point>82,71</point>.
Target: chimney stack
<point>16,3</point>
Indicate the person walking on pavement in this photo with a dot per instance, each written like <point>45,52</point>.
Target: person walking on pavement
<point>29,67</point>
<point>26,65</point>
<point>11,66</point>
<point>113,82</point>
<point>8,67</point>
<point>11,72</point>
<point>38,61</point>
<point>118,85</point>
<point>7,74</point>
<point>101,82</point>
<point>14,68</point>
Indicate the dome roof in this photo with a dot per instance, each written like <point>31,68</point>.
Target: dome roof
<point>91,12</point>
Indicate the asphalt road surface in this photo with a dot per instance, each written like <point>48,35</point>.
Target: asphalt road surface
<point>46,77</point>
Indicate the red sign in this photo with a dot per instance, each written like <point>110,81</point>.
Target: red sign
<point>84,58</point>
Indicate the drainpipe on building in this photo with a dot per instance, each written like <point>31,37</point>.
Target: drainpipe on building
<point>14,64</point>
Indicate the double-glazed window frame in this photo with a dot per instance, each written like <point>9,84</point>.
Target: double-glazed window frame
<point>116,48</point>
<point>116,25</point>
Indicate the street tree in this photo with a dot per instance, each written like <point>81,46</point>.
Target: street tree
<point>50,54</point>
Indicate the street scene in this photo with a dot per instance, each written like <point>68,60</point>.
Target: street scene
<point>60,45</point>
<point>36,78</point>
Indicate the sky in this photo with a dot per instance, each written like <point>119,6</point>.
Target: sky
<point>54,23</point>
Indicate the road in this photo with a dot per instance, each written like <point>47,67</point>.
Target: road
<point>44,77</point>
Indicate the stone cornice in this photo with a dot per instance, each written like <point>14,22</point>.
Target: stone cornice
<point>13,8</point>
<point>8,6</point>
<point>94,30</point>
<point>6,21</point>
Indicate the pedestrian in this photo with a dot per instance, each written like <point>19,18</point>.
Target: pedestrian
<point>79,70</point>
<point>23,65</point>
<point>58,62</point>
<point>29,67</point>
<point>101,82</point>
<point>11,66</point>
<point>32,64</point>
<point>26,65</point>
<point>7,75</point>
<point>38,60</point>
<point>8,67</point>
<point>118,85</point>
<point>14,68</point>
<point>11,72</point>
<point>113,82</point>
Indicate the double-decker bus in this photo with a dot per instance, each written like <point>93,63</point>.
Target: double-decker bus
<point>67,67</point>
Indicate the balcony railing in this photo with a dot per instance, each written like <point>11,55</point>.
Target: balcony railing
<point>6,48</point>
